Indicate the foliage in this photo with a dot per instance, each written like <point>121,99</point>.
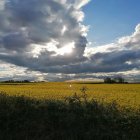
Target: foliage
<point>30,119</point>
<point>114,80</point>
<point>13,81</point>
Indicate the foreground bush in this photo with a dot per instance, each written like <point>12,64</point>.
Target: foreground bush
<point>74,119</point>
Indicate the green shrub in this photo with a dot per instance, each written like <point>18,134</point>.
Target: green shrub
<point>74,119</point>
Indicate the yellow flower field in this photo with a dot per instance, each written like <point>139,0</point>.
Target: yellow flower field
<point>127,95</point>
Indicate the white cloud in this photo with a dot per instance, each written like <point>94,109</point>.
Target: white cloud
<point>12,72</point>
<point>43,32</point>
<point>2,3</point>
<point>131,42</point>
<point>46,38</point>
<point>80,3</point>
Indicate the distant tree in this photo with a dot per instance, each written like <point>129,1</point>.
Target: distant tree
<point>114,80</point>
<point>12,81</point>
<point>107,80</point>
<point>26,81</point>
<point>119,80</point>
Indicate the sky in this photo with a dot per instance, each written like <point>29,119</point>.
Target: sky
<point>111,19</point>
<point>60,40</point>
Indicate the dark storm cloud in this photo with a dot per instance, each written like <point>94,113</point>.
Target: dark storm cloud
<point>27,23</point>
<point>15,41</point>
<point>33,31</point>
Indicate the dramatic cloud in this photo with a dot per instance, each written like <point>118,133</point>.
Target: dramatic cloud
<point>13,72</point>
<point>40,34</point>
<point>46,39</point>
<point>122,55</point>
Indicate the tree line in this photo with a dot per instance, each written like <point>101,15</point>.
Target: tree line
<point>114,80</point>
<point>14,81</point>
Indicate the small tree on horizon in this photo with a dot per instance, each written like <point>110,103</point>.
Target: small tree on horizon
<point>114,80</point>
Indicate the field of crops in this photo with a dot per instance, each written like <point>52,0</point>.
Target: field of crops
<point>124,94</point>
<point>42,113</point>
